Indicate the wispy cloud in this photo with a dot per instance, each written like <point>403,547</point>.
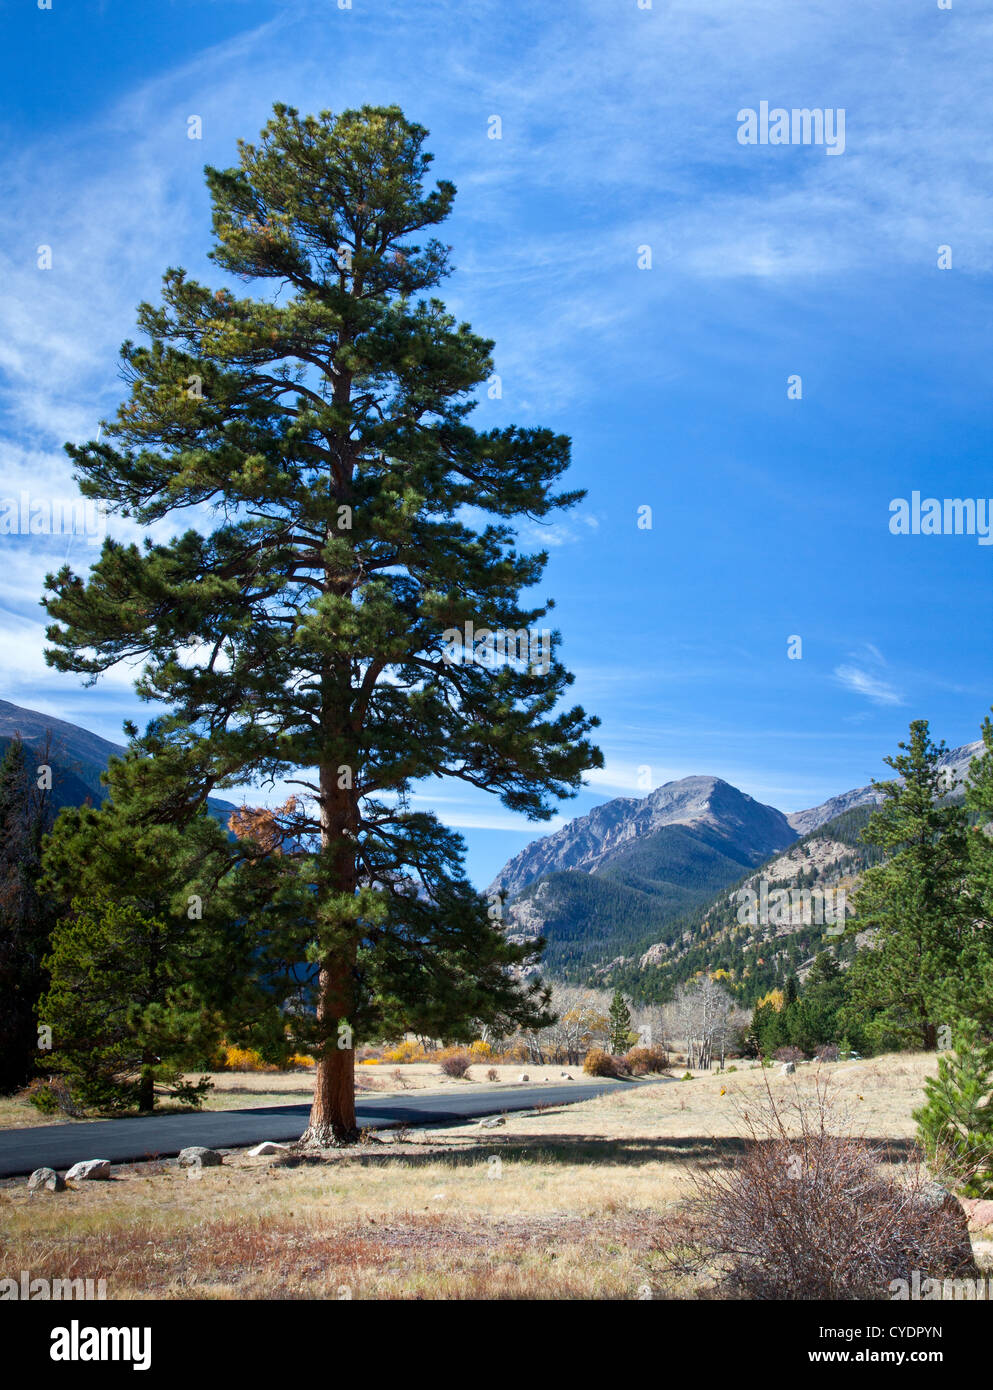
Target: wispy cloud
<point>861,682</point>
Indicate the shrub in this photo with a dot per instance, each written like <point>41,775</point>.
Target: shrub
<point>406,1051</point>
<point>805,1213</point>
<point>52,1094</point>
<point>828,1053</point>
<point>731,1069</point>
<point>642,1060</point>
<point>789,1054</point>
<point>42,1097</point>
<point>456,1064</point>
<point>492,1074</point>
<point>600,1063</point>
<point>480,1051</point>
<point>243,1059</point>
<point>686,1076</point>
<point>400,1079</point>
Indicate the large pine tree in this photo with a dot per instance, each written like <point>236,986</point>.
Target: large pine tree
<point>360,519</point>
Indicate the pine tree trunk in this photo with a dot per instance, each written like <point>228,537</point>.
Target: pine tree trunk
<point>146,1088</point>
<point>332,1114</point>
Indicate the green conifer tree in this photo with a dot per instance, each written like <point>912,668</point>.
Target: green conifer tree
<point>619,1021</point>
<point>151,959</point>
<point>955,1126</point>
<point>319,630</point>
<point>907,980</point>
<point>26,915</point>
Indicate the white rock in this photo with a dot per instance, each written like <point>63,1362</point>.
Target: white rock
<point>565,1076</point>
<point>492,1122</point>
<point>47,1180</point>
<point>89,1169</point>
<point>788,1069</point>
<point>199,1157</point>
<point>268,1147</point>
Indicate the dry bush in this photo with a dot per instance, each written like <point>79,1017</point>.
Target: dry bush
<point>492,1074</point>
<point>789,1054</point>
<point>600,1063</point>
<point>805,1212</point>
<point>829,1053</point>
<point>642,1060</point>
<point>456,1064</point>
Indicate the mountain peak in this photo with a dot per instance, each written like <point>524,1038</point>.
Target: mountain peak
<point>593,842</point>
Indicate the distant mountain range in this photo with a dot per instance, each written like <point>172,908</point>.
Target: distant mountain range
<point>956,760</point>
<point>77,757</point>
<point>634,871</point>
<point>637,884</point>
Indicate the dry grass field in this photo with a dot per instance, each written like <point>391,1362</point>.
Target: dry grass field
<point>571,1202</point>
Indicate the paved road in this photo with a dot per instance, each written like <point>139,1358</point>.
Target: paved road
<point>161,1136</point>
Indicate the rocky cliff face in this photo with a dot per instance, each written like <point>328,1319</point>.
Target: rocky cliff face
<point>601,839</point>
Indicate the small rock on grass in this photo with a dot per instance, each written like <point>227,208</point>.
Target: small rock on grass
<point>492,1122</point>
<point>46,1180</point>
<point>198,1156</point>
<point>266,1148</point>
<point>89,1169</point>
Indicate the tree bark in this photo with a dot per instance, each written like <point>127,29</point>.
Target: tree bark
<point>146,1086</point>
<point>332,1114</point>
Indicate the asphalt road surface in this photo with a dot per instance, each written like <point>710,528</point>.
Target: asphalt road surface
<point>162,1136</point>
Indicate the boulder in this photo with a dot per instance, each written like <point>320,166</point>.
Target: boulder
<point>961,1261</point>
<point>199,1157</point>
<point>46,1180</point>
<point>524,1076</point>
<point>493,1122</point>
<point>979,1213</point>
<point>268,1147</point>
<point>89,1169</point>
<point>565,1076</point>
<point>788,1069</point>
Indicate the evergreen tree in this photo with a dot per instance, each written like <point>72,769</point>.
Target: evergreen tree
<point>976,966</point>
<point>25,912</point>
<point>955,1126</point>
<point>124,1015</point>
<point>619,1024</point>
<point>319,625</point>
<point>812,1019</point>
<point>768,1028</point>
<point>908,979</point>
<point>151,958</point>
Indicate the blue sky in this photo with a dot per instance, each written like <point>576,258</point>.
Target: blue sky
<point>619,130</point>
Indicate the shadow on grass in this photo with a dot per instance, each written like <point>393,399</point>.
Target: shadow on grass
<point>573,1150</point>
